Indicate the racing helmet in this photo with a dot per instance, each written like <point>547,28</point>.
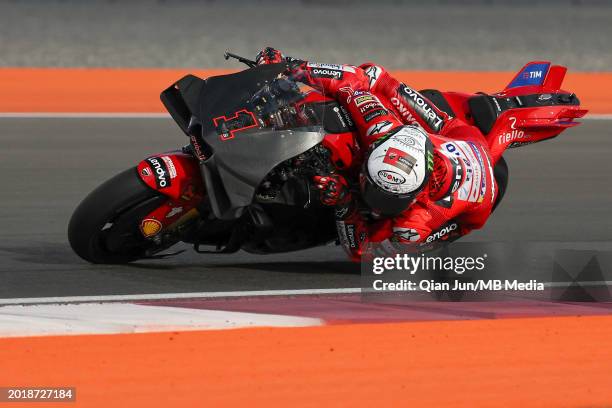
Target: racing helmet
<point>396,170</point>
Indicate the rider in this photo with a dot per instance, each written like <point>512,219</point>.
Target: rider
<point>426,176</point>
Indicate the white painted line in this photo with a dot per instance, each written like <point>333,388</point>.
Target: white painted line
<point>217,295</point>
<point>84,115</point>
<point>155,115</point>
<point>169,296</point>
<point>110,318</point>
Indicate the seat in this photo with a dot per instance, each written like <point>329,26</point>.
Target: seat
<point>483,111</point>
<point>437,98</point>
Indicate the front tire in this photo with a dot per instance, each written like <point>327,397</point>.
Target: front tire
<point>104,228</point>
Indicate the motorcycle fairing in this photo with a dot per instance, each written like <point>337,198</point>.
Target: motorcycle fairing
<point>238,155</point>
<point>486,109</point>
<point>183,187</point>
<point>237,166</point>
<point>178,169</point>
<point>216,96</point>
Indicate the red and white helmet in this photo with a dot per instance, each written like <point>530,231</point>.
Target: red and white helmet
<point>396,170</point>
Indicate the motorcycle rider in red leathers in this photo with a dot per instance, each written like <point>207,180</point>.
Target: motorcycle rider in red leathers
<point>426,176</point>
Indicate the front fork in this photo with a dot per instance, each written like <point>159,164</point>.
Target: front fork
<point>176,175</point>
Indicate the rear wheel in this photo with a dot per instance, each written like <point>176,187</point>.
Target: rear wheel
<point>104,228</point>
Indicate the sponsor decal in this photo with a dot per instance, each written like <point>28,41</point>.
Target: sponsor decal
<point>197,148</point>
<point>483,179</point>
<point>368,117</point>
<point>458,174</point>
<point>347,117</point>
<point>160,171</point>
<point>350,235</point>
<point>145,171</point>
<point>380,127</point>
<point>430,161</point>
<point>339,116</point>
<point>150,227</point>
<point>360,100</point>
<point>326,73</point>
<point>470,189</point>
<point>227,126</point>
<point>544,97</point>
<point>174,211</point>
<point>391,177</point>
<point>442,233</point>
<point>420,105</point>
<point>402,137</point>
<point>403,111</point>
<point>352,94</point>
<point>531,75</point>
<point>405,234</point>
<point>346,234</point>
<point>399,159</point>
<point>342,212</point>
<point>170,166</point>
<point>335,67</point>
<point>373,72</point>
<point>513,135</point>
<point>370,106</point>
<point>349,91</point>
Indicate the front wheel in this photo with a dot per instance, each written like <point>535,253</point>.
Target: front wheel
<point>104,228</point>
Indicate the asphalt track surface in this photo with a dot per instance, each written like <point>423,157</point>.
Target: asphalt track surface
<point>559,190</point>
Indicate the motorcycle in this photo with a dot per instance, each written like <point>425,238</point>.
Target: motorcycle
<point>256,139</point>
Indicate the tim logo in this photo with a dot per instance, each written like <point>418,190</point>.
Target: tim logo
<point>227,127</point>
<point>532,74</point>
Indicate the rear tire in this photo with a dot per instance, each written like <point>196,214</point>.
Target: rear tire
<point>104,228</point>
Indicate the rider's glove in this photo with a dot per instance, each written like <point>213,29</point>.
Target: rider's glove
<point>334,189</point>
<point>269,55</point>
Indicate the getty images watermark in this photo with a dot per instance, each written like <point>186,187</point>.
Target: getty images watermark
<point>484,271</point>
<point>410,264</point>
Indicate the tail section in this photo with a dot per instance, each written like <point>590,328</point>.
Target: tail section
<point>532,108</point>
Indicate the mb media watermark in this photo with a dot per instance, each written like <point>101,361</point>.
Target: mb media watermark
<point>485,271</point>
<point>459,265</point>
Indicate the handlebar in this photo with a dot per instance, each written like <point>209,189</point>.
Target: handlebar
<point>248,62</point>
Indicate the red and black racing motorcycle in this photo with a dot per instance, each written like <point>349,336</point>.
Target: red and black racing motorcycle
<point>256,141</point>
